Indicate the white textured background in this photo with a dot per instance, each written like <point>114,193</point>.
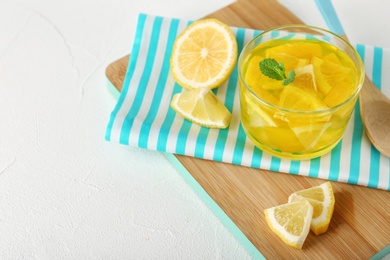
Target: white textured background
<point>65,193</point>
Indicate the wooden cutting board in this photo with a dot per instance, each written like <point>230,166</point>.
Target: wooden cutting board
<point>360,226</point>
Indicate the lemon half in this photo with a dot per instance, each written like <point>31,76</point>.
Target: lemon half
<point>204,54</point>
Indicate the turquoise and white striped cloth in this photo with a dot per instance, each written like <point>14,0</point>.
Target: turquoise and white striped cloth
<point>143,118</point>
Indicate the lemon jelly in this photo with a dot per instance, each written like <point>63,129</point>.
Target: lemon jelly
<point>308,117</point>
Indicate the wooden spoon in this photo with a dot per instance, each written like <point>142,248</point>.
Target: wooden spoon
<point>375,113</point>
<point>374,105</point>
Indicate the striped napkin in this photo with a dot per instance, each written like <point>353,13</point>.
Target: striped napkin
<point>143,118</point>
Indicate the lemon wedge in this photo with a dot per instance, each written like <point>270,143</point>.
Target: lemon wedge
<point>310,134</point>
<point>291,221</point>
<point>290,62</point>
<point>296,98</point>
<point>203,55</point>
<point>299,49</point>
<point>322,199</point>
<point>202,107</point>
<point>305,76</point>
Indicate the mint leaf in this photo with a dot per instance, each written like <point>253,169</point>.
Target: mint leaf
<point>290,78</point>
<point>274,70</point>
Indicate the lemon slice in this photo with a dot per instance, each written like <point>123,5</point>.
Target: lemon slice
<point>296,98</point>
<point>291,221</point>
<point>299,49</point>
<point>330,73</point>
<point>304,76</point>
<point>290,62</point>
<point>204,54</point>
<point>322,199</point>
<point>202,107</point>
<point>309,134</point>
<point>257,116</point>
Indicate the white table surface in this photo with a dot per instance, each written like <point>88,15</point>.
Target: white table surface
<point>66,193</point>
